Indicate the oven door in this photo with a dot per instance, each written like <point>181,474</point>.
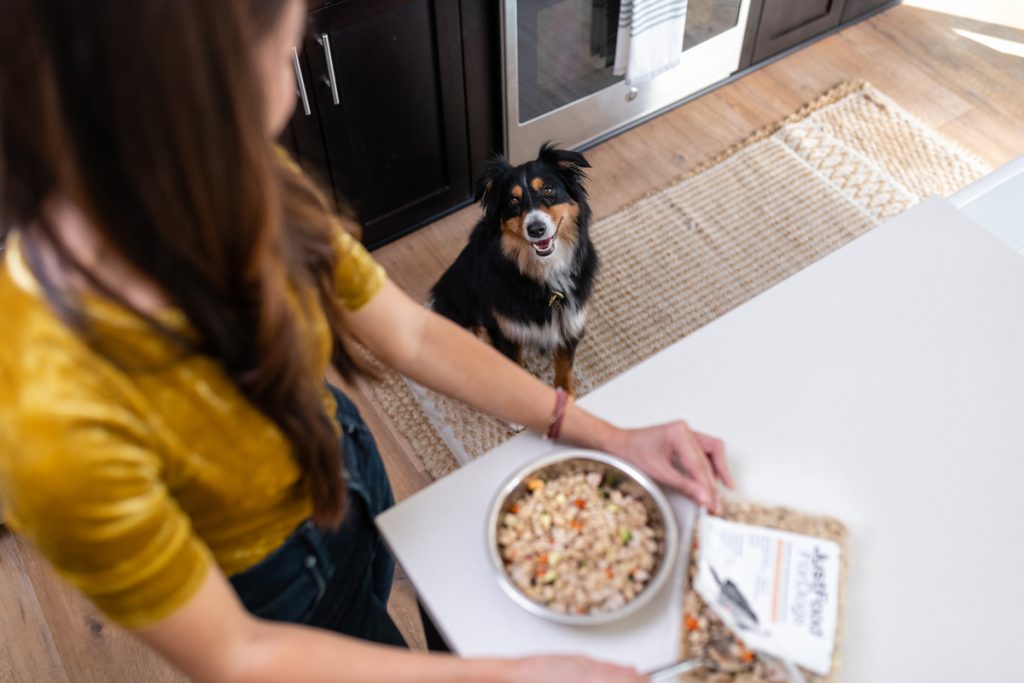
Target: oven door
<point>558,58</point>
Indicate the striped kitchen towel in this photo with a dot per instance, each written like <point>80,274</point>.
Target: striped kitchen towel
<point>650,38</point>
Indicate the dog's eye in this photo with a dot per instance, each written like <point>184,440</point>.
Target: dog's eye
<point>513,202</point>
<point>548,192</point>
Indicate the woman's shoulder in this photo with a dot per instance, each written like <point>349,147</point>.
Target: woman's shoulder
<point>357,276</point>
<point>54,387</point>
<point>66,428</point>
<point>42,358</point>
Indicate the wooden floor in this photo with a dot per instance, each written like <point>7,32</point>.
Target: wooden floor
<point>972,94</point>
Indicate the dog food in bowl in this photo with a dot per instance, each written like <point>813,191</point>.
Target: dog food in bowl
<point>578,544</point>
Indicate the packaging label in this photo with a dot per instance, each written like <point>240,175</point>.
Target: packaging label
<point>777,591</point>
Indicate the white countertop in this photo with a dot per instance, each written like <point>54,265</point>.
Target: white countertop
<point>996,203</point>
<point>883,385</point>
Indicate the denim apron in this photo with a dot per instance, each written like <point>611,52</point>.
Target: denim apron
<point>337,580</point>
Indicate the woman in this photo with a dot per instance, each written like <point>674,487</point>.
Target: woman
<point>174,291</point>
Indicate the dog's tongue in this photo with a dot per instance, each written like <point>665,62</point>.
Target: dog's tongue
<point>543,245</point>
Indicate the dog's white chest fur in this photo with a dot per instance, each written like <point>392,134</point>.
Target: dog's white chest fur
<point>566,322</point>
<point>558,270</point>
<point>567,319</point>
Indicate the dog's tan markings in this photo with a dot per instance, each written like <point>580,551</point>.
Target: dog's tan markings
<point>564,216</point>
<point>514,227</point>
<point>513,244</point>
<point>517,192</point>
<point>519,251</point>
<point>536,184</point>
<point>563,371</point>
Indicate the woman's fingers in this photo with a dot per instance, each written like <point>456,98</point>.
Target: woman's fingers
<point>685,484</point>
<point>692,456</point>
<point>707,473</point>
<point>624,674</point>
<point>715,448</point>
<point>702,471</point>
<point>556,669</point>
<point>681,458</point>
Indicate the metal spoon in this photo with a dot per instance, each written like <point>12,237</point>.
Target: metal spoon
<point>679,668</point>
<point>670,672</point>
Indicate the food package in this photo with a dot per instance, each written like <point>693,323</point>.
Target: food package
<point>776,580</point>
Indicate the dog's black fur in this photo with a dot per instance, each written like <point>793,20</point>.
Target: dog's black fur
<point>506,281</point>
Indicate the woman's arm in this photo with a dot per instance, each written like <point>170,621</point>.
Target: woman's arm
<point>445,357</point>
<point>212,638</point>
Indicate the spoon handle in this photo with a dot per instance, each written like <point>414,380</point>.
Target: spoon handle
<point>672,670</point>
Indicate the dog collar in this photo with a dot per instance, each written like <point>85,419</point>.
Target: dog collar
<point>555,299</point>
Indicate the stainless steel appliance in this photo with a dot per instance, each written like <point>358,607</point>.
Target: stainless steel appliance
<point>558,58</point>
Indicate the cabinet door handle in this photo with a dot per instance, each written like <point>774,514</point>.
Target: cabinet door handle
<point>331,80</point>
<point>300,82</point>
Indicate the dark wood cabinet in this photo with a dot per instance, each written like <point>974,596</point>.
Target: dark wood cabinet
<point>481,56</point>
<point>855,8</point>
<point>386,82</point>
<point>785,23</point>
<point>303,136</point>
<point>775,26</point>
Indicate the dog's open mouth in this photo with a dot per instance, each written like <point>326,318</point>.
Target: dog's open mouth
<point>544,247</point>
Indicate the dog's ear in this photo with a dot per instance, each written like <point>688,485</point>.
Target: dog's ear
<point>496,167</point>
<point>564,158</point>
<point>570,167</point>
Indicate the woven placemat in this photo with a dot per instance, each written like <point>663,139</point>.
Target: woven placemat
<point>698,619</point>
<point>726,231</point>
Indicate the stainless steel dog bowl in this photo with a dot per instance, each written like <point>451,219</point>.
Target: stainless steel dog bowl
<point>633,482</point>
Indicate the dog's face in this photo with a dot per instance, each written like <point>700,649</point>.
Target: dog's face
<point>536,204</point>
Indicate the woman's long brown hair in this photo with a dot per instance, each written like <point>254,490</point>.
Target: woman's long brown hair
<point>148,116</point>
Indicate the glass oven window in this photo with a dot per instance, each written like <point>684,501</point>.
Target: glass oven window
<point>566,52</point>
<point>708,18</point>
<point>567,47</point>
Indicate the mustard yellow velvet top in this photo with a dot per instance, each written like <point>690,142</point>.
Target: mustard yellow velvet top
<point>130,482</point>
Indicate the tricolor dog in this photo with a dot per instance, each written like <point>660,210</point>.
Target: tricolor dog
<point>528,269</point>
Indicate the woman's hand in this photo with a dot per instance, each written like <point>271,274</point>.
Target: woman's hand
<point>679,457</point>
<point>555,669</point>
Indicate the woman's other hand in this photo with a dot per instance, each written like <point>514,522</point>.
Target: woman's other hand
<point>559,669</point>
<point>679,457</point>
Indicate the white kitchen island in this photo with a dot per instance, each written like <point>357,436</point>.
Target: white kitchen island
<point>883,385</point>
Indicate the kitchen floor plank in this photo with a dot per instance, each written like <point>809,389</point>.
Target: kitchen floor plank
<point>91,648</point>
<point>27,650</point>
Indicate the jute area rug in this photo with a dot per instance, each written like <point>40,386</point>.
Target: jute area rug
<point>728,230</point>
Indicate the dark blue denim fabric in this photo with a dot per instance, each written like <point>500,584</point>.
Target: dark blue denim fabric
<point>338,580</point>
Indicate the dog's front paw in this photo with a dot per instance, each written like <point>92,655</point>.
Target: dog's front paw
<point>568,385</point>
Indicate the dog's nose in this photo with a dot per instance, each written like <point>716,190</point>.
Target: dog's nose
<point>536,229</point>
